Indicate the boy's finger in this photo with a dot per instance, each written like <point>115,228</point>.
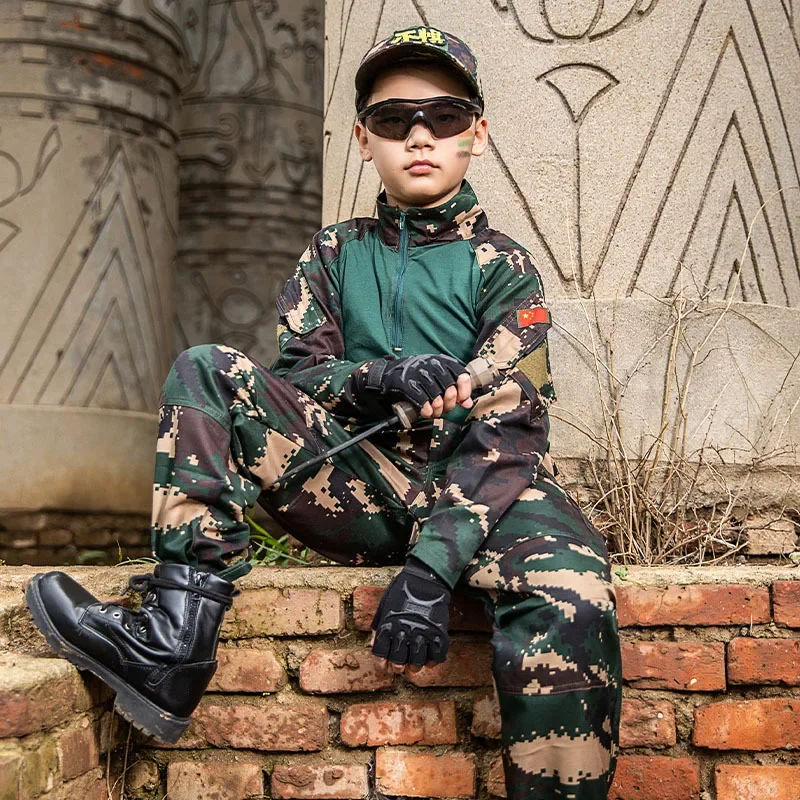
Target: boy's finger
<point>426,410</point>
<point>464,388</point>
<point>450,398</point>
<point>437,404</point>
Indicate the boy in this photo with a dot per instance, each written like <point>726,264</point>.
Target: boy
<point>381,310</point>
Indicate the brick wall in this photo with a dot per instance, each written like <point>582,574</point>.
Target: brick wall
<point>58,537</point>
<point>297,709</point>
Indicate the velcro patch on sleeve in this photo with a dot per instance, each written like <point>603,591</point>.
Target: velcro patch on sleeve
<point>530,316</point>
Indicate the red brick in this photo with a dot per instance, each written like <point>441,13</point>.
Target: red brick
<point>272,725</point>
<point>40,768</point>
<point>399,723</point>
<point>348,670</point>
<point>466,613</point>
<point>786,600</point>
<point>55,538</point>
<point>467,664</point>
<point>697,604</point>
<point>647,723</point>
<point>113,730</point>
<point>764,661</point>
<point>681,666</point>
<point>496,779</point>
<point>486,716</point>
<point>415,774</point>
<point>78,750</point>
<point>247,669</point>
<point>320,782</point>
<point>768,724</point>
<point>365,603</point>
<point>89,786</point>
<point>748,782</point>
<point>283,612</point>
<point>656,778</point>
<point>214,780</point>
<point>37,693</point>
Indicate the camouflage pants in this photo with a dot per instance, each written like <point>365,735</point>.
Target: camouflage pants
<point>229,428</point>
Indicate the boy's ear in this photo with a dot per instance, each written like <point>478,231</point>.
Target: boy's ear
<point>360,134</point>
<point>481,140</point>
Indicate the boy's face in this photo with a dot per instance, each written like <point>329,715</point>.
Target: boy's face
<point>407,182</point>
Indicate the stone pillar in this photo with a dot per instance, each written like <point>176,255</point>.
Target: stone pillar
<point>646,152</point>
<point>250,156</point>
<point>88,218</point>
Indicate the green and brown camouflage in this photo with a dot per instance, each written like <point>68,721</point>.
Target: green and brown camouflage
<point>230,428</point>
<point>418,41</point>
<point>472,493</point>
<point>463,263</point>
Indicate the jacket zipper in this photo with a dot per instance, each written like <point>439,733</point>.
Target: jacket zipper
<point>397,328</point>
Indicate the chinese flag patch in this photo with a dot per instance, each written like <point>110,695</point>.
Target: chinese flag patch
<point>529,316</point>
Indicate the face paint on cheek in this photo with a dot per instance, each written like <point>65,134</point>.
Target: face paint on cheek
<point>464,147</point>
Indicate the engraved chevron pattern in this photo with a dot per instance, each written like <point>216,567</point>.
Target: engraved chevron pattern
<point>92,338</point>
<point>674,166</point>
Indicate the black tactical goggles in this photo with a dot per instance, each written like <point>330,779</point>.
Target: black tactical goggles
<point>444,116</point>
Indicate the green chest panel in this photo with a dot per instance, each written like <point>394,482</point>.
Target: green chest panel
<point>407,300</point>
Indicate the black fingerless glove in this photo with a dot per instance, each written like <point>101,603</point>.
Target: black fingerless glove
<point>419,379</point>
<point>411,623</point>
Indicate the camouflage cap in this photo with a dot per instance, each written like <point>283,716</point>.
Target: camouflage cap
<point>418,42</point>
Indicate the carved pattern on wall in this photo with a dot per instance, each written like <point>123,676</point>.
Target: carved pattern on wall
<point>618,202</point>
<point>92,339</point>
<point>554,21</point>
<point>578,86</point>
<point>87,204</point>
<point>250,167</point>
<point>12,179</point>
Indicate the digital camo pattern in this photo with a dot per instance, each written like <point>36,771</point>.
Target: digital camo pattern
<point>555,641</point>
<point>457,496</point>
<point>455,220</point>
<point>505,435</point>
<point>230,427</point>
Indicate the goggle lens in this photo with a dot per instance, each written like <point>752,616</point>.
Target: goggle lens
<point>444,117</point>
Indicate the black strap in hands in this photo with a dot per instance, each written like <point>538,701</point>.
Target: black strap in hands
<point>412,620</point>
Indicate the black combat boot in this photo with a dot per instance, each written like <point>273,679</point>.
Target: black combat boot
<point>160,659</point>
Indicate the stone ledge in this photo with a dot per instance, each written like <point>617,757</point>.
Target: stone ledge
<point>112,581</point>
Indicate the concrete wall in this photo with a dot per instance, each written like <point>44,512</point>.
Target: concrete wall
<point>109,111</point>
<point>250,167</point>
<point>646,152</point>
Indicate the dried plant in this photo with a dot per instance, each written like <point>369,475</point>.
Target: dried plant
<point>646,496</point>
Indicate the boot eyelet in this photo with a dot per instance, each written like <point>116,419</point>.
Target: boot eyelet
<point>103,610</point>
<point>116,615</point>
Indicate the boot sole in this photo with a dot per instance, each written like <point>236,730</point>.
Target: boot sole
<point>130,704</point>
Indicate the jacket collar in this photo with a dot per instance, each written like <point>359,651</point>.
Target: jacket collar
<point>459,218</point>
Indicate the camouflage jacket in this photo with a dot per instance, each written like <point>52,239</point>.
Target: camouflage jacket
<point>485,298</point>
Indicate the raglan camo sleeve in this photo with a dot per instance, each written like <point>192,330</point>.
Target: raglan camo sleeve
<point>310,341</point>
<point>505,435</point>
